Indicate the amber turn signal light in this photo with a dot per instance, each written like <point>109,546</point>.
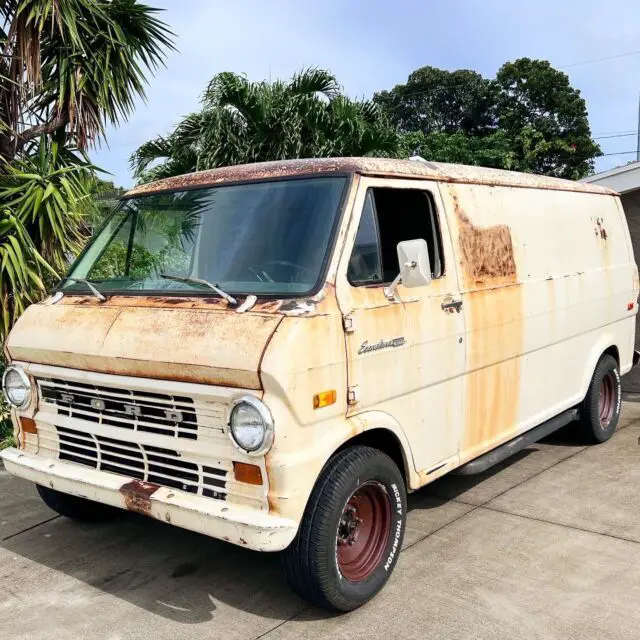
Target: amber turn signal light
<point>248,473</point>
<point>324,399</point>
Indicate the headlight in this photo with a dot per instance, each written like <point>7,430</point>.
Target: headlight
<point>16,386</point>
<point>251,425</point>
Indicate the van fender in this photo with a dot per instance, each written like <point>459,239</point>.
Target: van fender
<point>368,420</point>
<point>606,341</point>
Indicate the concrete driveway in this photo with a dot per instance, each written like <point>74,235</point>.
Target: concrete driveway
<point>545,546</point>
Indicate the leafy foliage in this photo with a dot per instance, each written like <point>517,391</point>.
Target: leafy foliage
<point>546,118</point>
<point>49,193</point>
<point>438,101</point>
<point>67,68</point>
<point>244,121</point>
<point>21,269</point>
<point>73,65</point>
<point>528,119</point>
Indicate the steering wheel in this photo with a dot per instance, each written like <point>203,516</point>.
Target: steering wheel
<point>263,269</point>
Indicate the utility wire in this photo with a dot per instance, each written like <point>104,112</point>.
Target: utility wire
<point>618,135</point>
<point>613,57</point>
<point>619,153</point>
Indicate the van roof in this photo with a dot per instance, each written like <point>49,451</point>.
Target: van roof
<point>384,167</point>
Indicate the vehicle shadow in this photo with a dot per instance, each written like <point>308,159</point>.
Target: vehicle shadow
<point>184,576</point>
<point>170,572</point>
<point>452,486</point>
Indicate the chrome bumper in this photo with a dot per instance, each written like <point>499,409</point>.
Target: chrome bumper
<point>237,524</point>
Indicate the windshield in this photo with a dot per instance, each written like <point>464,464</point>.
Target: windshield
<point>263,238</point>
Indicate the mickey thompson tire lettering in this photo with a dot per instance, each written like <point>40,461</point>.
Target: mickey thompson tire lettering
<point>311,563</point>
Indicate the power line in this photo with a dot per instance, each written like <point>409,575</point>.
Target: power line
<point>604,133</point>
<point>617,55</point>
<point>618,135</point>
<point>619,153</point>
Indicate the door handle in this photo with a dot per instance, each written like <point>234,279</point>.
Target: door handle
<point>451,306</point>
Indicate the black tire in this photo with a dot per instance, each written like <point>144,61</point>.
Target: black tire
<point>600,410</point>
<point>76,508</point>
<point>358,481</point>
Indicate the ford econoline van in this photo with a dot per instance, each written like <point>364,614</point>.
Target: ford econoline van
<point>275,354</point>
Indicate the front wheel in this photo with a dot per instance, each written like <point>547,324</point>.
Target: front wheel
<point>351,533</point>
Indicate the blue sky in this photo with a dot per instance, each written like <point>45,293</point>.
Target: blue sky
<point>376,44</point>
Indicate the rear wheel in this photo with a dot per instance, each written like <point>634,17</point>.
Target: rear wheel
<point>351,533</point>
<point>600,410</point>
<point>75,507</point>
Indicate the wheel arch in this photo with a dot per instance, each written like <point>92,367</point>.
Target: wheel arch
<point>607,345</point>
<point>381,431</point>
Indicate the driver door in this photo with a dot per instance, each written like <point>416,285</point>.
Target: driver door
<point>406,357</point>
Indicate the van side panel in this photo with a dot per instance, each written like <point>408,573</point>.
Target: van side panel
<point>546,279</point>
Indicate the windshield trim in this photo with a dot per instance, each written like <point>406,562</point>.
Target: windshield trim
<point>170,293</point>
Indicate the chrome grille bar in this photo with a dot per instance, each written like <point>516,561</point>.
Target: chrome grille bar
<point>150,464</point>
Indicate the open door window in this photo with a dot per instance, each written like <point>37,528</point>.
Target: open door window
<point>391,216</point>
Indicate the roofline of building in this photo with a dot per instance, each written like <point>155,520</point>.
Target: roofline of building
<point>632,166</point>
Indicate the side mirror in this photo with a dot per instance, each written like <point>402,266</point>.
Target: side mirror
<point>415,267</point>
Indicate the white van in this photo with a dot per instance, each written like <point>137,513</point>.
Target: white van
<point>274,354</point>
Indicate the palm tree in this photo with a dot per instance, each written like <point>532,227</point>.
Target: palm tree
<point>72,66</point>
<point>67,68</point>
<point>244,121</point>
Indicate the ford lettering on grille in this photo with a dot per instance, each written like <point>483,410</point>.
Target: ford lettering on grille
<point>162,414</point>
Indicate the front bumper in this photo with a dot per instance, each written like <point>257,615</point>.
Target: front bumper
<point>240,525</point>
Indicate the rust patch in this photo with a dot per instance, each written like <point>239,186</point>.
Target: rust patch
<point>487,253</point>
<point>493,304</point>
<point>384,167</point>
<point>137,496</point>
<point>272,498</point>
<point>600,231</point>
<point>494,343</point>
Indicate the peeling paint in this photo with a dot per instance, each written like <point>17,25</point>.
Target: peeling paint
<point>137,496</point>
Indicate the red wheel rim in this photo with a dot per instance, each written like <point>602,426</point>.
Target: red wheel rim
<point>607,399</point>
<point>363,531</point>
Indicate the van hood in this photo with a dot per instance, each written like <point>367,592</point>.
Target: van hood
<point>209,346</point>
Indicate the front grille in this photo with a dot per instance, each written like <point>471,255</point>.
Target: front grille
<point>140,411</point>
<point>144,462</point>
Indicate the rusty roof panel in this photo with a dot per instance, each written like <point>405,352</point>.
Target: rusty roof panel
<point>385,167</point>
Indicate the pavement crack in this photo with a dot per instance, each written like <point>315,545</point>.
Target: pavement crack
<point>560,524</point>
<point>293,617</point>
<point>33,526</point>
<point>462,515</point>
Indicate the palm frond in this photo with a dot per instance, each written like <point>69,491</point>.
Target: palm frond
<point>314,80</point>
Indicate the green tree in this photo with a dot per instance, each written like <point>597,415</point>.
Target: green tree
<point>491,150</point>
<point>244,121</point>
<point>438,101</point>
<point>545,118</point>
<point>67,68</point>
<point>528,119</point>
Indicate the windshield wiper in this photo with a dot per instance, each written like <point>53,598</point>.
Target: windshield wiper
<point>95,292</point>
<point>220,292</point>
